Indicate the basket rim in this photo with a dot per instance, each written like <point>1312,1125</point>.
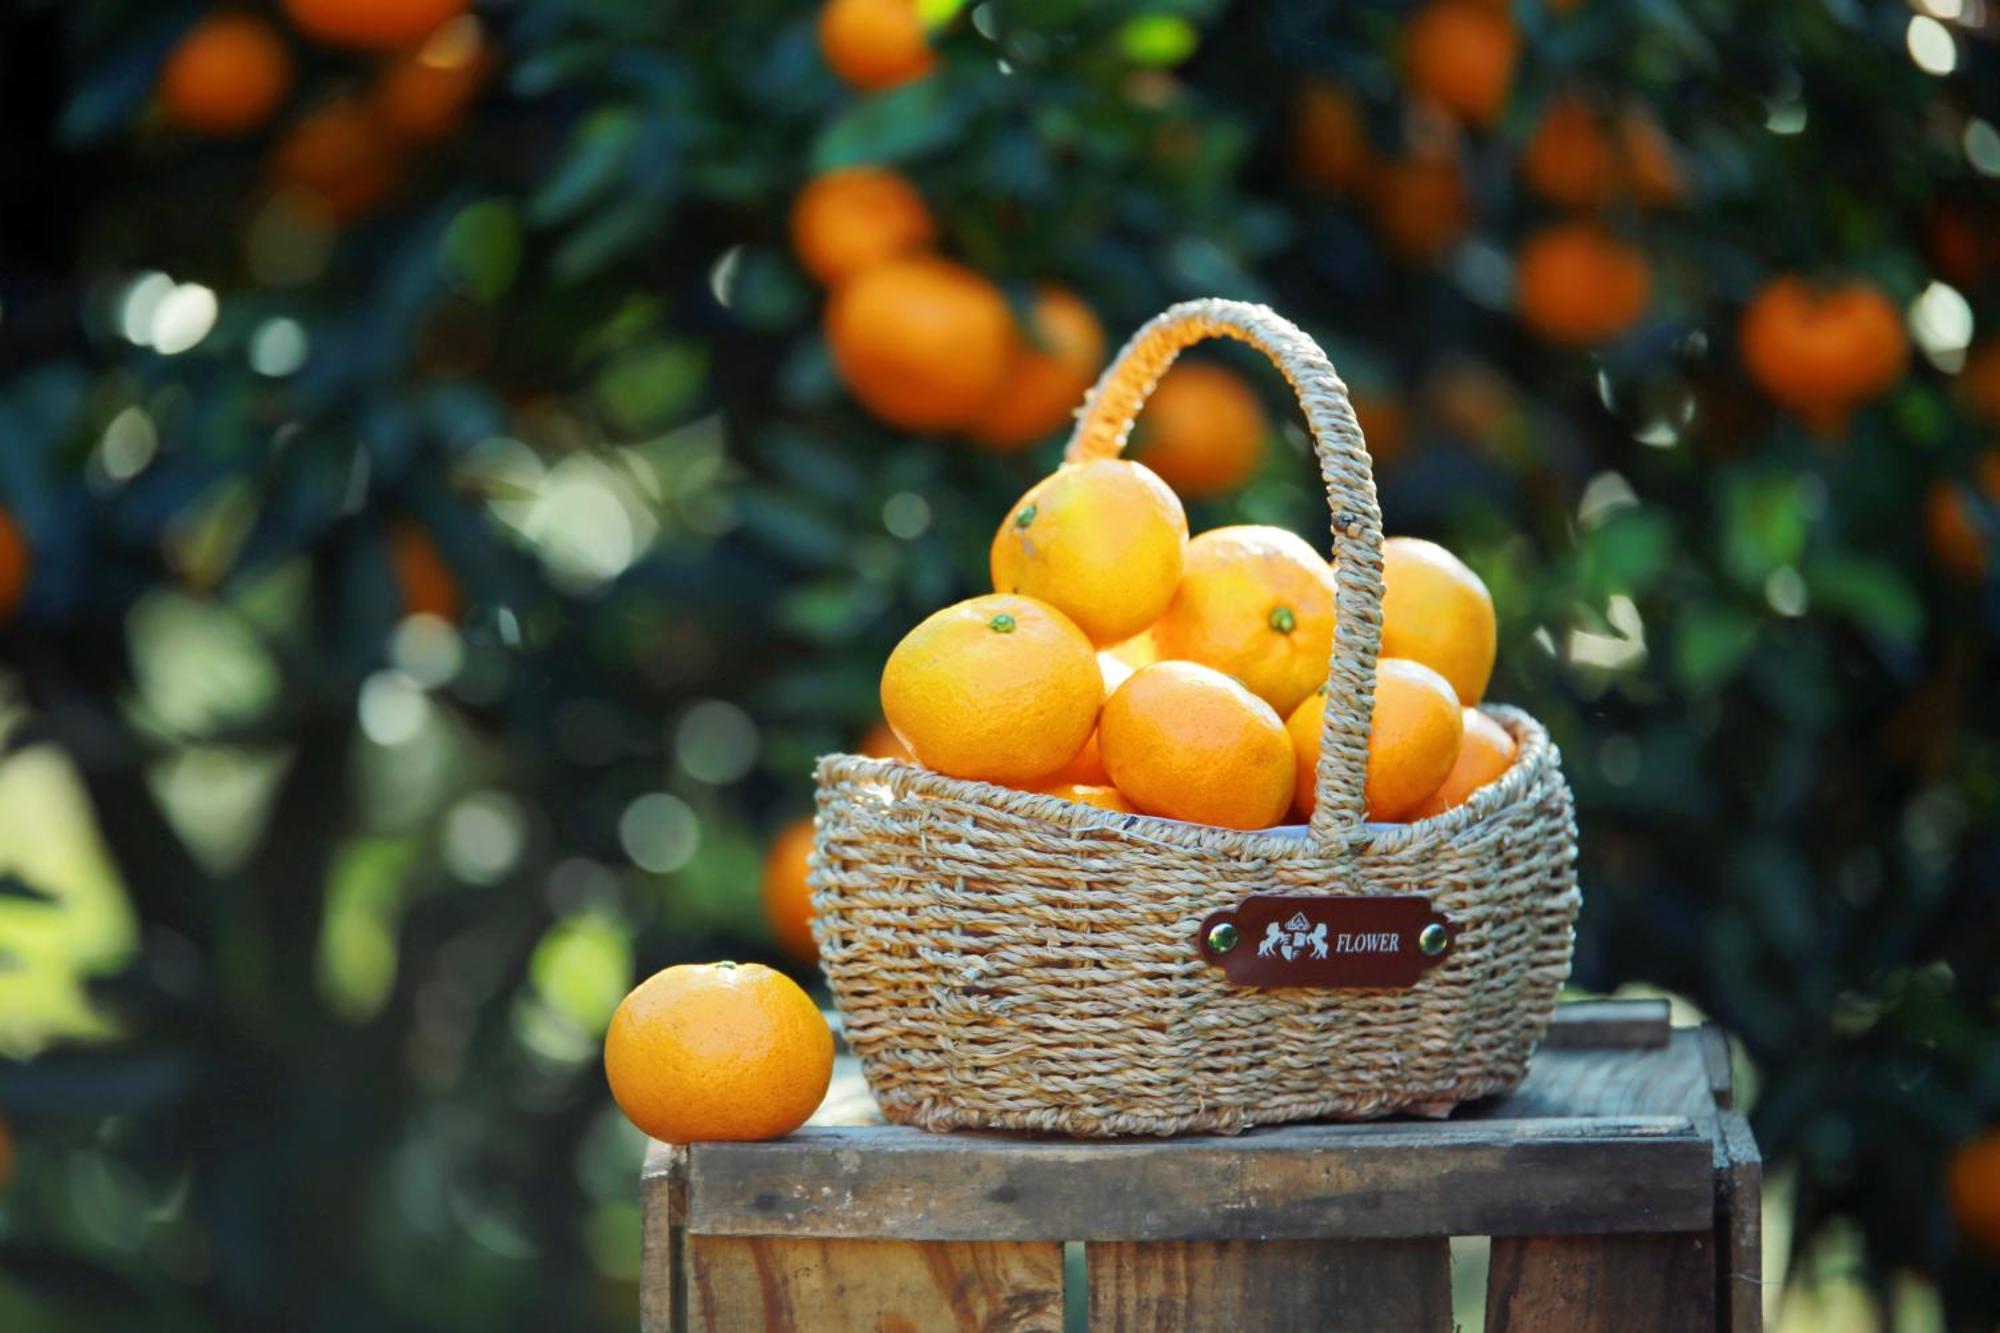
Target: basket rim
<point>1537,753</point>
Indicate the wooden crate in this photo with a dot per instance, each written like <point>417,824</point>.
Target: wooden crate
<point>1619,1187</point>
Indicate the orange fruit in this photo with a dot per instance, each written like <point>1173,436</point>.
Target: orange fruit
<point>874,44</point>
<point>1652,165</point>
<point>1978,382</point>
<point>1088,766</point>
<point>1101,541</point>
<point>1485,752</point>
<point>1568,160</point>
<point>1421,205</point>
<point>1000,688</point>
<point>1972,1185</point>
<point>921,342</point>
<point>718,1052</point>
<point>879,742</point>
<point>1437,611</point>
<point>226,76</point>
<point>1053,367</point>
<point>1202,430</point>
<point>787,897</point>
<point>341,157</point>
<point>1820,353</point>
<point>1459,55</point>
<point>849,220</point>
<point>372,25</point>
<point>15,563</point>
<point>1103,797</point>
<point>1413,740</point>
<point>1957,541</point>
<point>421,96</point>
<point>1187,742</point>
<point>422,576</point>
<point>1385,425</point>
<point>1256,603</point>
<point>1577,284</point>
<point>1330,145</point>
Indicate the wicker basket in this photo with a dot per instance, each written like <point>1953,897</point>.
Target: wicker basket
<point>1009,960</point>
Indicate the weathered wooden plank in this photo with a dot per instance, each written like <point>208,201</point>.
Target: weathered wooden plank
<point>1381,1180</point>
<point>1739,1226</point>
<point>1602,1284</point>
<point>663,1205</point>
<point>1721,1071</point>
<point>1276,1286</point>
<point>1661,1080</point>
<point>1625,1024</point>
<point>745,1284</point>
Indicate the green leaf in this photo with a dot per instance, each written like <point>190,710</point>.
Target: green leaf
<point>591,162</point>
<point>1868,592</point>
<point>482,248</point>
<point>1764,525</point>
<point>1162,40</point>
<point>894,126</point>
<point>1711,642</point>
<point>649,385</point>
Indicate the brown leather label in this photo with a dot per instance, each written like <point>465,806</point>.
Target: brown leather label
<point>1276,940</point>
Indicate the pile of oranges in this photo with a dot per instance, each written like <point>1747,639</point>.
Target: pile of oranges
<point>1122,664</point>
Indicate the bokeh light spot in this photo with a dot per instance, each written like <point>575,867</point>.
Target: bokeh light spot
<point>1931,45</point>
<point>278,347</point>
<point>660,832</point>
<point>483,837</point>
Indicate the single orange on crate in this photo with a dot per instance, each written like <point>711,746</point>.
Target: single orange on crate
<point>1577,284</point>
<point>847,221</point>
<point>1203,430</point>
<point>1413,740</point>
<point>997,688</point>
<point>874,44</point>
<point>226,76</point>
<point>1972,1184</point>
<point>372,25</point>
<point>1484,753</point>
<point>1102,541</point>
<point>919,341</point>
<point>1187,742</point>
<point>1054,363</point>
<point>1255,603</point>
<point>718,1052</point>
<point>1437,611</point>
<point>787,897</point>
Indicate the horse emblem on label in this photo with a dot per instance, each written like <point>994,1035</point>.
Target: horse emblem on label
<point>1293,938</point>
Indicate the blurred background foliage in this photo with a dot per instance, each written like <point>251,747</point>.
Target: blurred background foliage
<point>438,535</point>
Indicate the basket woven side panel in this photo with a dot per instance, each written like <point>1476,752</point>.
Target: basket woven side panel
<point>1008,960</point>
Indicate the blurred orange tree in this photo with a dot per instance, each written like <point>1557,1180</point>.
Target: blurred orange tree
<point>444,513</point>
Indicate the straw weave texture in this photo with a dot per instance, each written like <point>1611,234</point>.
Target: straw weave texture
<point>1004,959</point>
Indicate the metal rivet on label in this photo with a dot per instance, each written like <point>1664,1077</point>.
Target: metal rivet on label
<point>1432,939</point>
<point>1222,937</point>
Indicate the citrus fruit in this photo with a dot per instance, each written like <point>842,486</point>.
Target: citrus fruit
<point>372,25</point>
<point>1101,541</point>
<point>879,742</point>
<point>422,577</point>
<point>1185,741</point>
<point>1000,688</point>
<point>874,44</point>
<point>1485,752</point>
<point>1330,145</point>
<point>1569,160</point>
<point>787,898</point>
<point>1972,1185</point>
<point>1103,797</point>
<point>1652,166</point>
<point>1088,766</point>
<point>718,1051</point>
<point>1577,284</point>
<point>1053,367</point>
<point>1385,425</point>
<point>1459,55</point>
<point>226,76</point>
<point>341,157</point>
<point>421,96</point>
<point>1421,204</point>
<point>1820,353</point>
<point>1957,541</point>
<point>1255,603</point>
<point>1438,612</point>
<point>15,563</point>
<point>1202,430</point>
<point>849,220</point>
<point>920,342</point>
<point>1413,739</point>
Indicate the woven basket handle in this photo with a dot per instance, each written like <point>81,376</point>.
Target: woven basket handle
<point>1340,811</point>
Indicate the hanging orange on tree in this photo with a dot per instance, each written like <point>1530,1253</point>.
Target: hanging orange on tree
<point>921,342</point>
<point>1055,360</point>
<point>852,219</point>
<point>1203,430</point>
<point>372,25</point>
<point>1579,285</point>
<point>226,76</point>
<point>874,44</point>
